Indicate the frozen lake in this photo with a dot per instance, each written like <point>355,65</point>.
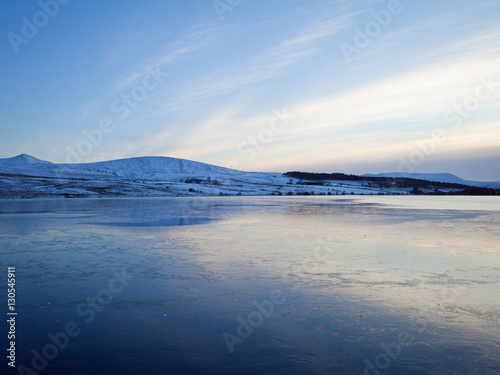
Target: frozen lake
<point>255,285</point>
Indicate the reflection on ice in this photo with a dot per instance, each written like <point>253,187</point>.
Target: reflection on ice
<point>372,284</point>
<point>171,222</point>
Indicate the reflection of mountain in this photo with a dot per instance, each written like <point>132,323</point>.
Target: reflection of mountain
<point>27,177</point>
<point>170,222</point>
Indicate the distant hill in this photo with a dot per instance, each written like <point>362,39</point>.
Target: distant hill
<point>140,167</point>
<point>436,177</point>
<point>23,160</point>
<point>25,176</point>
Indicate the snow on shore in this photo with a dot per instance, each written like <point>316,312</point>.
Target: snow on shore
<point>24,176</point>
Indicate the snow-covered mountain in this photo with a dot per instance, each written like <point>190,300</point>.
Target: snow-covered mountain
<point>27,177</point>
<point>436,177</point>
<point>140,167</point>
<point>22,161</point>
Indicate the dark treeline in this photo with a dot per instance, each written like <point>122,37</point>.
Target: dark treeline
<point>472,190</point>
<point>401,182</point>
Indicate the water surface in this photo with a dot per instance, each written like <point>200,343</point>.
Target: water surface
<point>268,285</point>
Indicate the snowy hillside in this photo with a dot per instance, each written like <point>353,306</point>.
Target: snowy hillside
<point>24,176</point>
<point>146,167</point>
<point>141,167</point>
<point>23,161</point>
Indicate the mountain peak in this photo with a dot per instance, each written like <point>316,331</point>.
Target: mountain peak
<point>23,159</point>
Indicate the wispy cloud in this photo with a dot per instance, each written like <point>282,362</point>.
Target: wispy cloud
<point>377,121</point>
<point>194,38</point>
<point>261,66</point>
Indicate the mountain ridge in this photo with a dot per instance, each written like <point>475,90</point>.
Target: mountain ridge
<point>154,166</point>
<point>24,176</point>
<point>436,177</point>
<point>142,166</point>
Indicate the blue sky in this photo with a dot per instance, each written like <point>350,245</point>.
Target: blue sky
<point>316,85</point>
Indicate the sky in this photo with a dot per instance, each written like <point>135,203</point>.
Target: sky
<point>262,85</point>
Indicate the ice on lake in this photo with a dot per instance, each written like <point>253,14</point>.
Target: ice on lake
<point>257,285</point>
